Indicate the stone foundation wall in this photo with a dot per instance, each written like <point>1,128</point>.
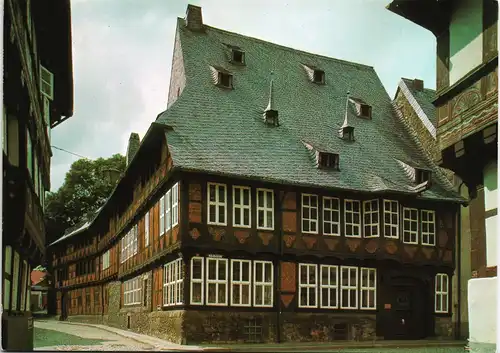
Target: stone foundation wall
<point>444,327</point>
<point>227,326</point>
<point>87,319</point>
<point>307,327</point>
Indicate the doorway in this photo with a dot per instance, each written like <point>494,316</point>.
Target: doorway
<point>407,313</point>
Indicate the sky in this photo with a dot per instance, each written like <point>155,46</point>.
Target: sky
<point>122,54</point>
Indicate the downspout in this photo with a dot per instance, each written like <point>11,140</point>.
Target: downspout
<point>458,223</point>
<point>280,247</point>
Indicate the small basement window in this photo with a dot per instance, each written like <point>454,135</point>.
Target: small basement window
<point>319,76</point>
<point>328,160</point>
<point>238,56</point>
<point>225,80</point>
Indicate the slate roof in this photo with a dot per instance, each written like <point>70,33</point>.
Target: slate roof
<point>79,227</point>
<point>222,132</point>
<point>424,99</point>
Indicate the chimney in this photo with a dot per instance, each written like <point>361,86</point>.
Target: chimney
<point>133,146</point>
<point>418,85</point>
<point>194,18</point>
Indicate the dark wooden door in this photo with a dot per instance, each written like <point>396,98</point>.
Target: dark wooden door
<point>406,318</point>
<point>64,306</point>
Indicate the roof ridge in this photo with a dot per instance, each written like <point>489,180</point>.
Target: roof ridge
<point>287,48</point>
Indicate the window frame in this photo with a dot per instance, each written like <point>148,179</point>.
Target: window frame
<point>310,221</point>
<point>241,283</point>
<point>415,233</point>
<point>366,288</point>
<point>197,280</point>
<point>349,287</point>
<point>332,211</point>
<point>390,212</point>
<point>428,224</point>
<point>359,225</point>
<point>444,292</point>
<point>265,209</point>
<point>175,205</point>
<point>132,288</point>
<point>105,260</point>
<point>29,153</point>
<point>217,281</point>
<point>146,230</point>
<point>308,285</point>
<point>328,286</point>
<point>173,282</point>
<point>217,204</point>
<point>162,216</point>
<point>241,207</point>
<point>263,284</point>
<point>371,214</point>
<point>168,210</point>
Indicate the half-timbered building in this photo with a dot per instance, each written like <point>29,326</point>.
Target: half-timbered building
<point>278,198</point>
<point>38,95</point>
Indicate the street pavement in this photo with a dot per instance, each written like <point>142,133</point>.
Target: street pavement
<point>52,335</point>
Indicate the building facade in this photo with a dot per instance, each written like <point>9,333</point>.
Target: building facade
<point>38,95</point>
<point>278,198</point>
<point>467,114</point>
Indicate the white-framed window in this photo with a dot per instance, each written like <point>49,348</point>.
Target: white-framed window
<point>308,284</point>
<point>348,287</point>
<point>146,230</point>
<point>24,284</point>
<point>217,204</point>
<point>197,280</point>
<point>162,215</point>
<point>265,209</point>
<point>410,225</point>
<point>29,153</point>
<point>329,286</point>
<point>428,219</point>
<point>240,282</point>
<point>241,206</point>
<point>441,295</point>
<point>331,216</point>
<point>15,281</point>
<point>168,210</point>
<point>46,83</point>
<point>217,281</point>
<point>391,219</point>
<point>105,260</point>
<point>132,291</point>
<point>263,274</point>
<point>371,218</point>
<point>368,287</point>
<point>175,205</point>
<point>309,213</point>
<point>173,283</point>
<point>352,218</point>
<point>129,244</point>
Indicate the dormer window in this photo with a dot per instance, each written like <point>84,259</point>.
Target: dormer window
<point>422,175</point>
<point>347,133</point>
<point>319,76</point>
<point>222,77</point>
<point>237,56</point>
<point>328,160</point>
<point>271,117</point>
<point>363,110</point>
<point>225,80</point>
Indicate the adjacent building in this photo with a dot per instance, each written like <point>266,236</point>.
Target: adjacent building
<point>38,95</point>
<point>467,113</point>
<point>278,198</point>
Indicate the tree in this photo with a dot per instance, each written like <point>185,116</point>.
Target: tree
<point>85,189</point>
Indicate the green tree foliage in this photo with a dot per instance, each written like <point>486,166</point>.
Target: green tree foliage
<point>86,187</point>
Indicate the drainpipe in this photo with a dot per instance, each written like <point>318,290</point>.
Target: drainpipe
<point>280,246</point>
<point>458,222</point>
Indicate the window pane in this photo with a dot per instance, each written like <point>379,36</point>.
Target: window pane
<point>222,215</point>
<point>269,219</point>
<point>269,201</point>
<point>267,295</point>
<point>258,295</point>
<point>212,192</point>
<point>237,216</point>
<point>260,198</point>
<point>261,218</point>
<point>236,294</point>
<point>246,217</point>
<point>246,197</point>
<point>237,196</point>
<point>211,293</point>
<point>222,196</point>
<point>246,271</point>
<point>258,272</point>
<point>197,292</point>
<point>245,294</point>
<point>222,270</point>
<point>212,213</point>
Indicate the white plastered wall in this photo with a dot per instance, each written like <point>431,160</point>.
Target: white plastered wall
<point>490,204</point>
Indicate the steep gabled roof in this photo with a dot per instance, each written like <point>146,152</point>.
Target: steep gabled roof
<point>79,227</point>
<point>221,131</point>
<point>421,102</point>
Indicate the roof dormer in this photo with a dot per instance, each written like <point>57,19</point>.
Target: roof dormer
<point>420,176</point>
<point>346,131</point>
<point>222,77</point>
<point>363,110</point>
<point>315,74</point>
<point>236,55</point>
<point>323,159</point>
<point>271,113</point>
